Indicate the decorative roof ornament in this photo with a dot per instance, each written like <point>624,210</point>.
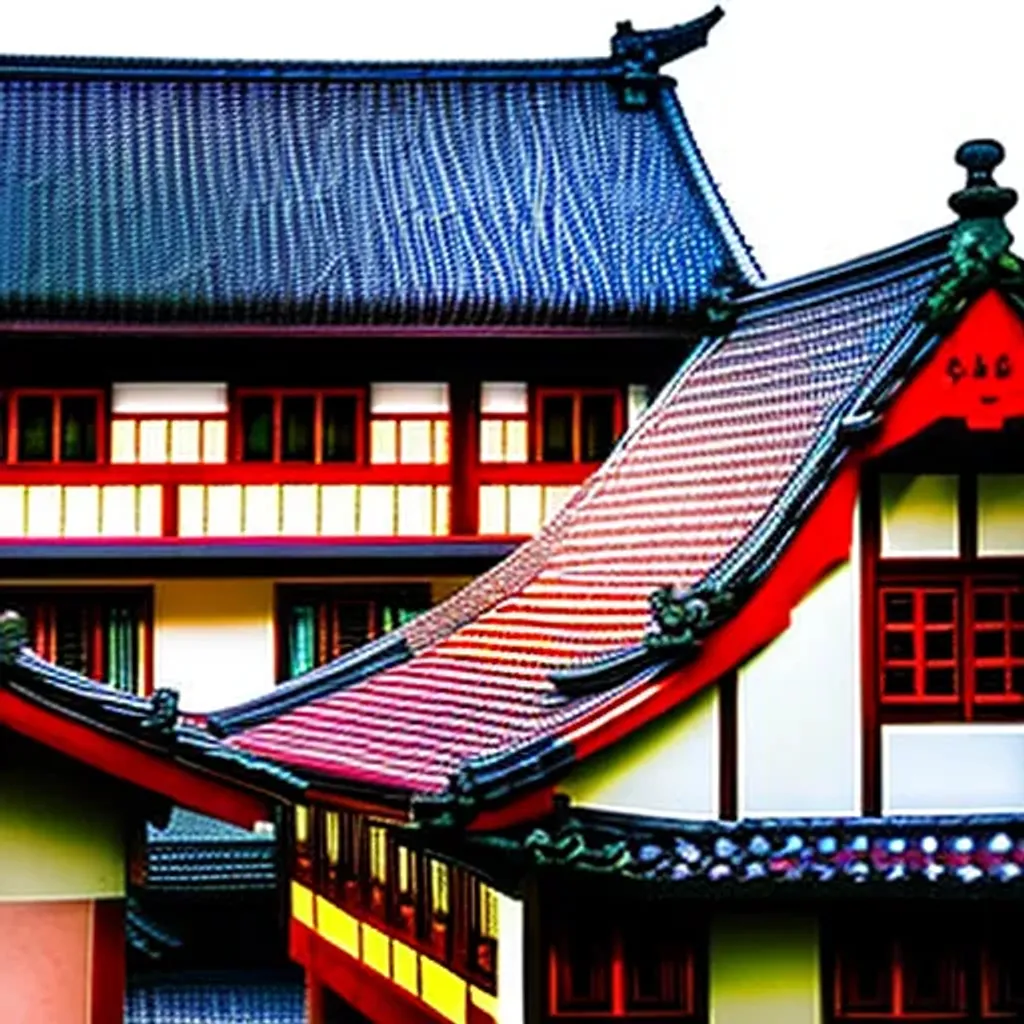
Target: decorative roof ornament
<point>979,250</point>
<point>643,54</point>
<point>163,716</point>
<point>13,636</point>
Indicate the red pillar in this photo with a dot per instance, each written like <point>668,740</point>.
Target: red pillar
<point>465,418</point>
<point>108,962</point>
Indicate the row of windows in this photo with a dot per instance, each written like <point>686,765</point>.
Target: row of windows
<point>318,427</point>
<point>105,634</point>
<point>645,970</point>
<point>360,866</point>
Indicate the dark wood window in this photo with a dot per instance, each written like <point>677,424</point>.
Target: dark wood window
<point>316,624</point>
<point>577,425</point>
<point>102,634</point>
<point>50,427</point>
<point>300,427</point>
<point>302,844</point>
<point>603,968</point>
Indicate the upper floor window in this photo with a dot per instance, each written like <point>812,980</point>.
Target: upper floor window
<point>409,423</point>
<point>600,969</point>
<point>578,425</point>
<point>947,554</point>
<point>318,623</point>
<point>299,426</point>
<point>102,634</point>
<point>51,426</point>
<point>174,422</point>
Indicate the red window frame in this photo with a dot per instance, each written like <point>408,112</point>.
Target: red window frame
<point>540,394</point>
<point>11,403</point>
<point>236,425</point>
<point>615,966</point>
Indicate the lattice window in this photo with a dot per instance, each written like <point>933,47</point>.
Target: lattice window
<point>577,425</point>
<point>52,426</point>
<point>919,643</point>
<point>299,426</point>
<point>409,424</point>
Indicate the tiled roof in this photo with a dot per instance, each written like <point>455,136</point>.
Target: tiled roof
<point>195,853</point>
<point>681,494</point>
<point>252,997</point>
<point>925,856</point>
<point>429,194</point>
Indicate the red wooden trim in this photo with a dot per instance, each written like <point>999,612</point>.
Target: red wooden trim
<point>871,756</point>
<point>464,456</point>
<point>551,473</point>
<point>728,785</point>
<point>536,804</point>
<point>122,759</point>
<point>107,986</point>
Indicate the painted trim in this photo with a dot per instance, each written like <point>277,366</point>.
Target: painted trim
<point>128,761</point>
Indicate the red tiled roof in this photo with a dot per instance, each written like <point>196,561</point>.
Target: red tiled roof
<point>677,496</point>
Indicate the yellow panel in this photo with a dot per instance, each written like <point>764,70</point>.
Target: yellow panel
<point>442,511</point>
<point>484,1000</point>
<point>337,927</point>
<point>151,510</point>
<point>442,445</point>
<point>919,516</point>
<point>442,990</point>
<point>215,441</point>
<point>1000,514</point>
<point>492,440</point>
<point>376,950</point>
<point>117,515</point>
<point>493,511</point>
<point>298,512</point>
<point>554,499</point>
<point>185,440</point>
<point>414,445</point>
<point>524,513</point>
<point>152,441</point>
<point>383,441</point>
<point>81,511</point>
<point>516,444</point>
<point>262,510</point>
<point>405,967</point>
<point>224,510</point>
<point>122,441</point>
<point>338,510</point>
<point>44,511</point>
<point>376,510</point>
<point>415,510</point>
<point>12,511</point>
<point>191,511</point>
<point>302,905</point>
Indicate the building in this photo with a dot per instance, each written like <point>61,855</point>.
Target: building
<point>293,351</point>
<point>737,737</point>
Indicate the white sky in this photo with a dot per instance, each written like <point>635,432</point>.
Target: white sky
<point>829,124</point>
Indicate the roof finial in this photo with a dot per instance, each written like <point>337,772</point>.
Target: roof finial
<point>981,197</point>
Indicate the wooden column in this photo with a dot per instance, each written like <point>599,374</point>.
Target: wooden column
<point>534,958</point>
<point>465,438</point>
<point>107,986</point>
<point>314,1000</point>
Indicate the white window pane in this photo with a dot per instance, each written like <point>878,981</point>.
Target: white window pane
<point>516,441</point>
<point>44,511</point>
<point>338,510</point>
<point>153,441</point>
<point>151,510</point>
<point>224,510</point>
<point>503,397</point>
<point>298,515</point>
<point>554,499</point>
<point>261,510</point>
<point>169,399</point>
<point>524,509</point>
<point>12,511</point>
<point>185,440</point>
<point>1000,514</point>
<point>442,511</point>
<point>415,442</point>
<point>81,511</point>
<point>117,511</point>
<point>639,399</point>
<point>415,510</point>
<point>215,441</point>
<point>191,511</point>
<point>122,441</point>
<point>442,451</point>
<point>920,516</point>
<point>493,509</point>
<point>492,441</point>
<point>376,510</point>
<point>383,441</point>
<point>395,399</point>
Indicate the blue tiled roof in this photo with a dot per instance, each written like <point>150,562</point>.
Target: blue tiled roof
<point>196,853</point>
<point>470,194</point>
<point>225,998</point>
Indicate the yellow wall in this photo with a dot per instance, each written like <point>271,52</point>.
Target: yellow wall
<point>669,768</point>
<point>61,832</point>
<point>214,640</point>
<point>799,705</point>
<point>764,969</point>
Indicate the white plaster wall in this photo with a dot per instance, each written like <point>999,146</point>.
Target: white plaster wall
<point>214,640</point>
<point>959,768</point>
<point>799,709</point>
<point>669,768</point>
<point>511,950</point>
<point>764,969</point>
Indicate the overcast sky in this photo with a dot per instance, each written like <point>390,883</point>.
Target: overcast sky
<point>829,124</point>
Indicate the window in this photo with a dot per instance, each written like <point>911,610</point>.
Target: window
<point>504,422</point>
<point>100,634</point>
<point>409,423</point>
<point>52,427</point>
<point>377,841</point>
<point>169,423</point>
<point>300,427</point>
<point>406,889</point>
<point>600,970</point>
<point>439,918</point>
<point>577,426</point>
<point>483,927</point>
<point>317,624</point>
<point>303,846</point>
